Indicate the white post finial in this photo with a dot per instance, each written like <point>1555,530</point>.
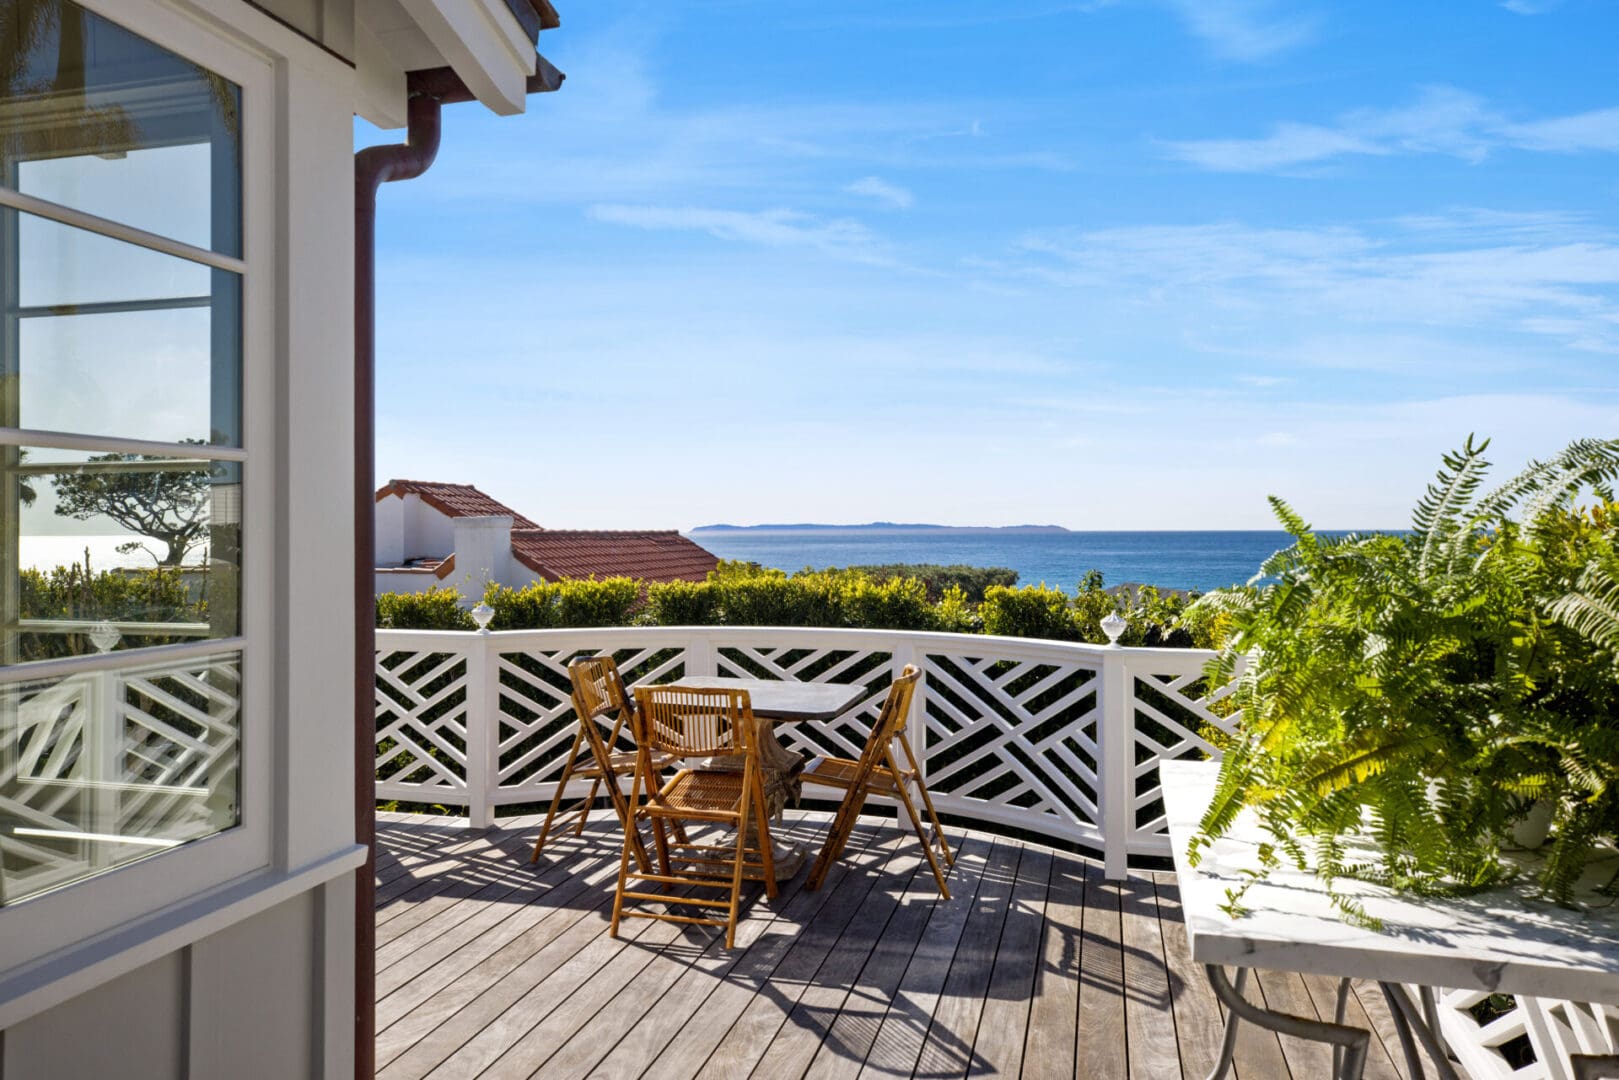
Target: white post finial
<point>104,635</point>
<point>481,615</point>
<point>1114,625</point>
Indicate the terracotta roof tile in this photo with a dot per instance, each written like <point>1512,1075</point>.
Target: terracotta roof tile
<point>578,553</point>
<point>454,500</point>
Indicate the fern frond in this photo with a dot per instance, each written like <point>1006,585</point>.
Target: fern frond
<point>1435,520</point>
<point>1592,610</point>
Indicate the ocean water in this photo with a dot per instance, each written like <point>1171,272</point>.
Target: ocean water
<point>1176,560</point>
<point>48,552</point>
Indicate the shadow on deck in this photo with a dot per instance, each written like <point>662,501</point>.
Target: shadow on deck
<point>488,966</point>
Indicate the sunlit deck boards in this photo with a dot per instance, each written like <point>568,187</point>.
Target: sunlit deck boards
<point>487,966</point>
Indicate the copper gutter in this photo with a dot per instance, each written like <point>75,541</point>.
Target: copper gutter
<point>373,167</point>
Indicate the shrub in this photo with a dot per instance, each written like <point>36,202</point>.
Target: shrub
<point>971,580</point>
<point>435,609</point>
<point>77,592</point>
<point>954,615</point>
<point>683,603</point>
<point>746,594</point>
<point>895,604</point>
<point>773,599</point>
<point>1033,611</point>
<point>572,602</point>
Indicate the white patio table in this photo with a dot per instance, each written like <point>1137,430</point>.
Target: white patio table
<point>1562,963</point>
<point>775,702</point>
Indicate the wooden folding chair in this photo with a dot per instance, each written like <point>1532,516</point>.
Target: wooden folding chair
<point>878,773</point>
<point>598,690</point>
<point>696,723</point>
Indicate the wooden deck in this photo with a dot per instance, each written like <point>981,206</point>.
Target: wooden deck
<point>487,966</point>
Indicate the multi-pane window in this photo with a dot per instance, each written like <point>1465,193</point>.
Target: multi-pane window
<point>121,447</point>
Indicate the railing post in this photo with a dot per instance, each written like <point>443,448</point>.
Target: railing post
<point>102,729</point>
<point>701,656</point>
<point>1116,737</point>
<point>483,730</point>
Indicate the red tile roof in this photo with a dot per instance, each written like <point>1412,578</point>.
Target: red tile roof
<point>454,500</point>
<point>578,553</point>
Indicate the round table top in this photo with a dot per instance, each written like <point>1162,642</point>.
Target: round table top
<point>791,702</point>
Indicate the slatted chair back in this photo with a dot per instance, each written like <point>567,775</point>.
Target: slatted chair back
<point>689,722</point>
<point>878,772</point>
<point>695,722</point>
<point>891,721</point>
<point>597,692</point>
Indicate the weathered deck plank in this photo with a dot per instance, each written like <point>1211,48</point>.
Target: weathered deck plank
<point>1149,1019</point>
<point>948,1048</point>
<point>1101,1050</point>
<point>1199,1020</point>
<point>741,1048</point>
<point>1036,968</point>
<point>897,1042</point>
<point>1003,1026</point>
<point>843,1052</point>
<point>1048,1052</point>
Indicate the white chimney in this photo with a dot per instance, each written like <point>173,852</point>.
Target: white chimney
<point>483,553</point>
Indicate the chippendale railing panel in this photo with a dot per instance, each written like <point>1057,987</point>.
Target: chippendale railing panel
<point>537,720</point>
<point>1014,739</point>
<point>423,718</point>
<point>1173,712</point>
<point>755,653</point>
<point>1056,738</point>
<point>1493,1044</point>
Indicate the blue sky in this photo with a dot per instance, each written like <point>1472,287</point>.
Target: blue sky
<point>1130,264</point>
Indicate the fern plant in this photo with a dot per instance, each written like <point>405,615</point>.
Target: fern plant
<point>1426,689</point>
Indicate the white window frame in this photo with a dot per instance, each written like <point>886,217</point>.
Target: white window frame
<point>32,929</point>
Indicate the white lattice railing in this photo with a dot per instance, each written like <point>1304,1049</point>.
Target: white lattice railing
<point>1059,739</point>
<point>107,766</point>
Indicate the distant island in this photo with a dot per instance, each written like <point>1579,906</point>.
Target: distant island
<point>887,527</point>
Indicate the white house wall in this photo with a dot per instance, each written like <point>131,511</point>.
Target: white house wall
<point>246,1002</point>
<point>428,534</point>
<point>390,535</point>
<point>256,980</point>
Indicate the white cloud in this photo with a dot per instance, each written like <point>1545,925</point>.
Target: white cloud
<point>839,239</point>
<point>1246,30</point>
<point>1595,130</point>
<point>1442,120</point>
<point>1531,7</point>
<point>890,195</point>
<point>1396,284</point>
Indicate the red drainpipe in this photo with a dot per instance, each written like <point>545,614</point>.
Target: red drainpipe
<point>373,167</point>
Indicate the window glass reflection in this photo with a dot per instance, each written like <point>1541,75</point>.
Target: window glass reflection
<point>104,768</point>
<point>120,551</point>
<point>114,339</point>
<point>99,119</point>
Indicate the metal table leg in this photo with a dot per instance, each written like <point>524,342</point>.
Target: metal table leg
<point>1351,1042</point>
<point>1422,1022</point>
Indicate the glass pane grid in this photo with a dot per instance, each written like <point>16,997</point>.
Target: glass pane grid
<point>120,448</point>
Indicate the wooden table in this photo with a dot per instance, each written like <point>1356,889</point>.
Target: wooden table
<point>777,701</point>
<point>1505,940</point>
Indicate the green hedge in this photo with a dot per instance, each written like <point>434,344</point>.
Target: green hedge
<point>78,592</point>
<point>745,594</point>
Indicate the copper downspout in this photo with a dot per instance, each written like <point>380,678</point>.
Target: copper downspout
<point>373,167</point>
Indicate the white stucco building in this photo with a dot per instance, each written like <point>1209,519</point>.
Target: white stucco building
<point>432,534</point>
